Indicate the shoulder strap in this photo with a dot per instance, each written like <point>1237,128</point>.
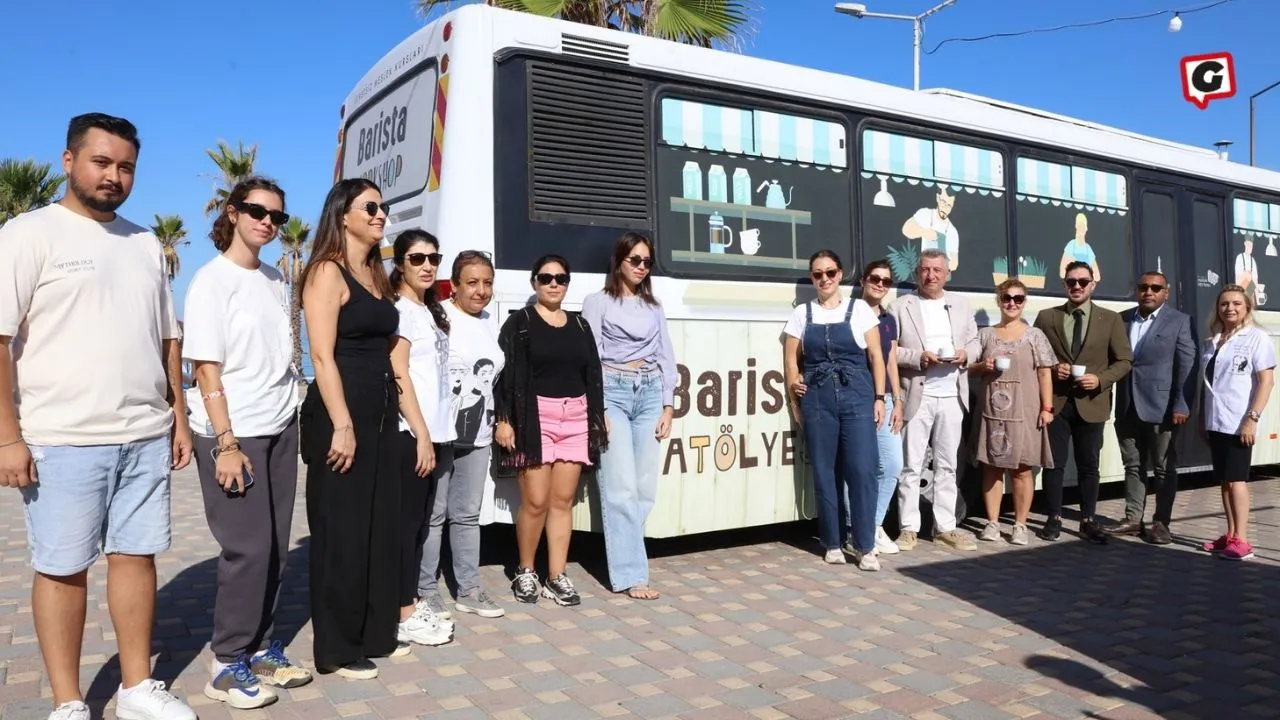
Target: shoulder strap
<point>808,313</point>
<point>848,311</point>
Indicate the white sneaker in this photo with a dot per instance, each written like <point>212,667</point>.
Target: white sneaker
<point>884,544</point>
<point>835,556</point>
<point>74,710</point>
<point>150,700</point>
<point>423,629</point>
<point>869,562</point>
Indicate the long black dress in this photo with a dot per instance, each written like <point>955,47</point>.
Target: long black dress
<point>353,516</point>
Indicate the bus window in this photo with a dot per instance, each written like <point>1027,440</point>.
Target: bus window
<point>921,194</point>
<point>389,141</point>
<point>1255,230</point>
<point>1159,222</point>
<point>747,192</point>
<point>1066,213</point>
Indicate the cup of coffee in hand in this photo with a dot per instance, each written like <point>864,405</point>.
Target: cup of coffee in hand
<point>1003,363</point>
<point>1077,371</point>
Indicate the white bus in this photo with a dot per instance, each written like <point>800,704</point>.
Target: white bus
<point>521,135</point>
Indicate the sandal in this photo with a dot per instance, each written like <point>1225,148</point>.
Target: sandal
<point>642,592</point>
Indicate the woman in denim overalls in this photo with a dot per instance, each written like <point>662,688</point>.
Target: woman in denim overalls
<point>838,402</point>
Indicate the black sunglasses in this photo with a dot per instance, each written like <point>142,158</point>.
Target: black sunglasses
<point>416,259</point>
<point>372,208</point>
<point>1144,287</point>
<point>1077,282</point>
<point>1006,298</point>
<point>819,274</point>
<point>546,278</point>
<point>640,262</point>
<point>881,280</point>
<point>258,212</point>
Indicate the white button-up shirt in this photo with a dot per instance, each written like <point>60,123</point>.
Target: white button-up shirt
<point>1228,392</point>
<point>1140,326</point>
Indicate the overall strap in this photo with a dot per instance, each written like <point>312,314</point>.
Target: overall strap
<point>848,312</point>
<point>808,313</point>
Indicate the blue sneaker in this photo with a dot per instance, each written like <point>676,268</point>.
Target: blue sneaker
<point>236,685</point>
<point>274,668</point>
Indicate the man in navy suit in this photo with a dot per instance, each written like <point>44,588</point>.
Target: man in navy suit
<point>1152,404</point>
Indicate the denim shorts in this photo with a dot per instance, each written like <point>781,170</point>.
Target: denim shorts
<point>92,499</point>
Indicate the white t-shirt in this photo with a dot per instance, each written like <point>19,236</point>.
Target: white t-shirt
<point>1227,393</point>
<point>862,320</point>
<point>428,369</point>
<point>939,380</point>
<point>1246,264</point>
<point>88,305</point>
<point>948,238</point>
<point>239,318</point>
<point>475,359</point>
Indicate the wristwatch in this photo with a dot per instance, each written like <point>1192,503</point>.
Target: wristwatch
<point>1253,415</point>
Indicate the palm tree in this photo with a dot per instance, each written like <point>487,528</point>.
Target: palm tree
<point>26,185</point>
<point>694,22</point>
<point>234,164</point>
<point>171,233</point>
<point>294,244</point>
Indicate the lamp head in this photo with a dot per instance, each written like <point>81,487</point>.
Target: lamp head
<point>855,9</point>
<point>1175,24</point>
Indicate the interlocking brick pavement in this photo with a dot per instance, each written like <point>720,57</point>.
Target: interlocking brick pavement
<point>758,628</point>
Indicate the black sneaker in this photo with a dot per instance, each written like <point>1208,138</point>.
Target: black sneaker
<point>525,586</point>
<point>1052,529</point>
<point>560,589</point>
<point>1090,530</point>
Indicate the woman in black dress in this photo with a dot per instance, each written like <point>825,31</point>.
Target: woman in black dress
<point>349,422</point>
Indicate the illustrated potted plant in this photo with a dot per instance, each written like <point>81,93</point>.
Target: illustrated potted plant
<point>1032,272</point>
<point>903,261</point>
<point>1000,270</point>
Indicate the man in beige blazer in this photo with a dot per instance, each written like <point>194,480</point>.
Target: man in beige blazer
<point>937,340</point>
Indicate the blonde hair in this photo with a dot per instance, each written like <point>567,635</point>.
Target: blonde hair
<point>1215,323</point>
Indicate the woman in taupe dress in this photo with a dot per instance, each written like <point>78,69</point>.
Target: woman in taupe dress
<point>1015,404</point>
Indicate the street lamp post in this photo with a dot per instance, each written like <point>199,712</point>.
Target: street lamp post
<point>1252,98</point>
<point>859,10</point>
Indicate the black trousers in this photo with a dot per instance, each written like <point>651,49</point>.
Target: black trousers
<point>253,531</point>
<point>1085,439</point>
<point>355,526</point>
<point>417,495</point>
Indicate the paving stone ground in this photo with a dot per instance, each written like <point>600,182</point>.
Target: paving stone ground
<point>755,626</point>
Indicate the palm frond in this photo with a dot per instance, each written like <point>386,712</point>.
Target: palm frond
<point>27,185</point>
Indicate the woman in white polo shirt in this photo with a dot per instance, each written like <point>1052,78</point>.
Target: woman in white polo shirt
<point>244,416</point>
<point>1238,363</point>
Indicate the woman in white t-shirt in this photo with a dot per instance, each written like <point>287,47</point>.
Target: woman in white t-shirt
<point>1238,371</point>
<point>838,402</point>
<point>244,417</point>
<point>474,361</point>
<point>420,359</point>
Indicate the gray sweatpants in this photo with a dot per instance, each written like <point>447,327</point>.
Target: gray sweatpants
<point>459,491</point>
<point>253,530</point>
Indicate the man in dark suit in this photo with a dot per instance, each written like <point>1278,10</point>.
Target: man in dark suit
<point>1152,403</point>
<point>1093,354</point>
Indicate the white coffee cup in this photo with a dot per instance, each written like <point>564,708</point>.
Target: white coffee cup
<point>1077,371</point>
<point>946,352</point>
<point>1003,363</point>
<point>750,241</point>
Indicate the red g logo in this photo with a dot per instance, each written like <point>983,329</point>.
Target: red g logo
<point>1208,77</point>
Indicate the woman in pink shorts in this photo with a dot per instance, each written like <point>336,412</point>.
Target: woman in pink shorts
<point>550,423</point>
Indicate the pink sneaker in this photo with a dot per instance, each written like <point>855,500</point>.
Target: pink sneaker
<point>1237,549</point>
<point>1216,546</point>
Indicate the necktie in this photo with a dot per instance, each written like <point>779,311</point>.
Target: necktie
<point>1077,333</point>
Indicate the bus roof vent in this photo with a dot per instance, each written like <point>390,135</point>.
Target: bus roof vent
<point>594,49</point>
<point>588,133</point>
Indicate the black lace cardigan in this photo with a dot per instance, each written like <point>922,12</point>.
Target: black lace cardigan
<point>517,404</point>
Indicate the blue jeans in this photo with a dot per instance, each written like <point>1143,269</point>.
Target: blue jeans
<point>840,435</point>
<point>889,446</point>
<point>628,474</point>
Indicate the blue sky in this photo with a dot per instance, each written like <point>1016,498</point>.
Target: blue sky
<point>276,73</point>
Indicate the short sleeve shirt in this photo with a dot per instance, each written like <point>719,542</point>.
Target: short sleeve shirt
<point>1230,388</point>
<point>862,320</point>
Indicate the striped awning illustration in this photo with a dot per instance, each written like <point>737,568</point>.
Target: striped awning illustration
<point>1255,215</point>
<point>777,136</point>
<point>902,157</point>
<point>1071,185</point>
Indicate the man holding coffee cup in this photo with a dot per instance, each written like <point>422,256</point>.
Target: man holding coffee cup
<point>1093,355</point>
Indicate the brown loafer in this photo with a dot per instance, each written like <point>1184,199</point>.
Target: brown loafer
<point>1129,526</point>
<point>1158,534</point>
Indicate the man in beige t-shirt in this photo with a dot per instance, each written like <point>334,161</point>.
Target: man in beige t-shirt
<point>89,388</point>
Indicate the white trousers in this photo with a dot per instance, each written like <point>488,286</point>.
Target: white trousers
<point>937,423</point>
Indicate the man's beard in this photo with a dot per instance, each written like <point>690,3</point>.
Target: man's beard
<point>87,198</point>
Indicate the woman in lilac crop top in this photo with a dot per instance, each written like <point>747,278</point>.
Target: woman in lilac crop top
<point>639,383</point>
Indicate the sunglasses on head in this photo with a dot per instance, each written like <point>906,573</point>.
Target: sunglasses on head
<point>1006,298</point>
<point>416,259</point>
<point>640,262</point>
<point>546,278</point>
<point>1155,288</point>
<point>372,208</point>
<point>828,274</point>
<point>258,212</point>
<point>881,280</point>
<point>1077,282</point>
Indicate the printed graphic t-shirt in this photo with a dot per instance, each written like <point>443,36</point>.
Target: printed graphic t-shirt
<point>475,359</point>
<point>428,369</point>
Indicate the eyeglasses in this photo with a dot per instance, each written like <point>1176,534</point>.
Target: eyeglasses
<point>1006,298</point>
<point>1144,287</point>
<point>258,212</point>
<point>881,280</point>
<point>547,278</point>
<point>416,259</point>
<point>640,262</point>
<point>372,208</point>
<point>1077,282</point>
<point>828,274</point>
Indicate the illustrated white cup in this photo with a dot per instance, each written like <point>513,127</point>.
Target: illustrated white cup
<point>1077,371</point>
<point>1003,363</point>
<point>750,241</point>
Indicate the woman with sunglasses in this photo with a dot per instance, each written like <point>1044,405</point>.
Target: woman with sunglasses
<point>420,358</point>
<point>1014,410</point>
<point>349,427</point>
<point>839,403</point>
<point>551,423</point>
<point>639,364</point>
<point>473,365</point>
<point>243,407</point>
